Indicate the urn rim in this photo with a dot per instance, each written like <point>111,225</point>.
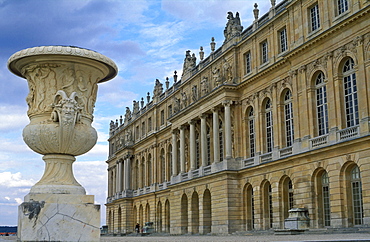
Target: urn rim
<point>72,51</point>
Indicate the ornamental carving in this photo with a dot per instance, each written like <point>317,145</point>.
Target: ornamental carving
<point>233,26</point>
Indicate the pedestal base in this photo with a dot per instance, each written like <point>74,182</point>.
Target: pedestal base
<point>59,217</point>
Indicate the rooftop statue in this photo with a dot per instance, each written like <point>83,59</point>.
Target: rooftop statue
<point>233,27</point>
<point>158,88</point>
<point>189,62</point>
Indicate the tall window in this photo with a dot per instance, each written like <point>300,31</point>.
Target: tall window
<point>264,52</point>
<point>248,64</point>
<point>221,137</point>
<point>288,111</point>
<point>149,124</point>
<point>321,105</point>
<point>252,144</point>
<point>270,204</point>
<point>143,129</point>
<point>342,6</point>
<point>315,17</point>
<point>290,194</point>
<point>197,150</point>
<point>169,110</point>
<point>350,93</point>
<point>163,166</point>
<point>356,196</point>
<point>325,198</point>
<point>249,208</point>
<point>283,40</point>
<point>149,170</point>
<point>162,117</point>
<point>169,162</point>
<point>269,130</point>
<point>208,146</point>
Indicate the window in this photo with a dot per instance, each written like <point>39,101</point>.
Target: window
<point>315,17</point>
<point>325,198</point>
<point>290,194</point>
<point>149,124</point>
<point>137,132</point>
<point>248,64</point>
<point>264,52</point>
<point>356,187</point>
<point>143,129</point>
<point>163,166</point>
<point>169,111</point>
<point>249,208</point>
<point>269,130</point>
<point>283,40</point>
<point>197,150</point>
<point>288,110</point>
<point>162,117</point>
<point>208,146</point>
<point>221,137</point>
<point>252,145</point>
<point>271,215</point>
<point>350,93</point>
<point>321,105</point>
<point>342,6</point>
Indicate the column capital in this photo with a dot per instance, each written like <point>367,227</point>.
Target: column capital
<point>227,103</point>
<point>192,122</point>
<point>182,127</point>
<point>203,116</point>
<point>215,109</point>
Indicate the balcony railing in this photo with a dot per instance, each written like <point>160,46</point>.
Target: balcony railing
<point>318,141</point>
<point>286,151</point>
<point>348,133</point>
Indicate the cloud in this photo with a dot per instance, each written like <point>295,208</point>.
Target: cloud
<point>12,117</point>
<point>14,180</point>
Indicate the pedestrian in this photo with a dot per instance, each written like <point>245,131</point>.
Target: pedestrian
<point>137,228</point>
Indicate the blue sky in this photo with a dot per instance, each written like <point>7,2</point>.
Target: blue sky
<point>147,39</point>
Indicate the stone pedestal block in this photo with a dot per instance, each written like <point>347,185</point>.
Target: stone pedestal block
<point>298,219</point>
<point>59,217</point>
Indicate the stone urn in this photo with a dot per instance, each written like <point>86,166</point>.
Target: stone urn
<point>63,83</point>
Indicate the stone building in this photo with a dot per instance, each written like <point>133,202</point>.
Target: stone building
<point>276,118</point>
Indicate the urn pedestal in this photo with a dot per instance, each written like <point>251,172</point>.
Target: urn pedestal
<point>62,83</point>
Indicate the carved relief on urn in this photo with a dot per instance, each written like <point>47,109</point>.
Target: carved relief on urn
<point>63,83</point>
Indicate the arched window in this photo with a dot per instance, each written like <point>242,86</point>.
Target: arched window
<point>288,115</point>
<point>197,150</point>
<point>221,137</point>
<point>149,170</point>
<point>350,93</point>
<point>142,167</point>
<point>208,145</point>
<point>325,198</point>
<point>321,105</point>
<point>249,208</point>
<point>251,135</point>
<point>163,166</point>
<point>356,188</point>
<point>268,126</point>
<point>169,163</point>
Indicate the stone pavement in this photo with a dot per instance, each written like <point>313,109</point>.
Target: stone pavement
<point>353,237</point>
<point>245,238</point>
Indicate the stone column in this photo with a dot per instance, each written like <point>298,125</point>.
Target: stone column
<point>203,139</point>
<point>182,149</point>
<point>192,145</point>
<point>127,172</point>
<point>63,87</point>
<point>228,140</point>
<point>174,153</point>
<point>216,136</point>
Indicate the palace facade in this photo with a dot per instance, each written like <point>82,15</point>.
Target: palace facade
<point>276,118</point>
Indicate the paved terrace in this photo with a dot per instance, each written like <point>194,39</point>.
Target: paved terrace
<point>233,238</point>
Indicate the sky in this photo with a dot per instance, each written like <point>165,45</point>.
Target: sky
<point>147,39</point>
